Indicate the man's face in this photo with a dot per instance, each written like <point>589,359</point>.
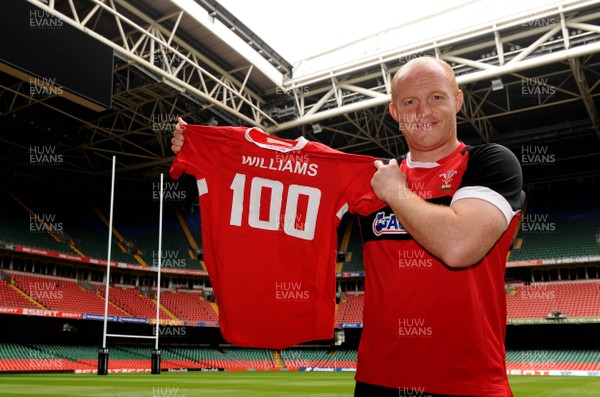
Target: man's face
<point>425,107</point>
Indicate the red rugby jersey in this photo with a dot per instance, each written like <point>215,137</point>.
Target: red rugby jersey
<point>426,326</point>
<point>269,209</point>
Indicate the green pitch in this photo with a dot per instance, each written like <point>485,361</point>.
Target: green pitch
<point>247,384</point>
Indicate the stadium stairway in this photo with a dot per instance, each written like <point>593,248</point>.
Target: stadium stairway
<point>344,243</point>
<point>188,306</point>
<point>11,295</point>
<point>133,302</point>
<point>189,236</point>
<point>120,239</point>
<point>355,250</point>
<point>215,307</point>
<point>21,225</point>
<point>278,360</point>
<point>61,294</point>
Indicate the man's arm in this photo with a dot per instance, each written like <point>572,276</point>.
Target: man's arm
<point>459,235</point>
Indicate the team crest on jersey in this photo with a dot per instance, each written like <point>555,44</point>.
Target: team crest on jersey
<point>387,224</point>
<point>447,178</point>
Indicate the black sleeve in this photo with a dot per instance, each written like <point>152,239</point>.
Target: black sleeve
<point>497,168</point>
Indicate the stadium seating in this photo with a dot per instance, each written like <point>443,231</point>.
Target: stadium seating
<point>19,226</point>
<point>188,306</point>
<point>9,296</point>
<point>51,357</point>
<point>537,300</point>
<point>561,360</point>
<point>298,358</point>
<point>62,295</point>
<point>551,231</point>
<point>355,264</point>
<point>137,305</point>
<point>350,309</point>
<point>88,229</point>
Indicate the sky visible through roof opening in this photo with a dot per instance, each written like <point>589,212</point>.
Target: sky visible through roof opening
<point>300,30</point>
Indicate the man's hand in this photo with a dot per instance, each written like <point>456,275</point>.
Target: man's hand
<point>178,138</point>
<point>388,183</point>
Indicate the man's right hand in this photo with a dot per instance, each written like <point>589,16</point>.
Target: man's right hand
<point>178,138</point>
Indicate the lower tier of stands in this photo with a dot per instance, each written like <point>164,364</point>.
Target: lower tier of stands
<point>524,301</point>
<point>537,300</point>
<point>61,294</point>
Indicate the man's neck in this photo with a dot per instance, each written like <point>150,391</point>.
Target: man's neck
<point>435,154</point>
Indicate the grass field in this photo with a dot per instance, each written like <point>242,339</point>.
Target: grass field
<point>248,384</point>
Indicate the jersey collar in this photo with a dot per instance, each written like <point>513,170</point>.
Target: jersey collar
<point>431,164</point>
<point>265,141</point>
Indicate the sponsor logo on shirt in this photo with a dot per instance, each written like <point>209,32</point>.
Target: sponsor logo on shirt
<point>447,179</point>
<point>387,224</point>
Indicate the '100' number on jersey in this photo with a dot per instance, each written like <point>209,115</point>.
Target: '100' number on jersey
<point>307,232</point>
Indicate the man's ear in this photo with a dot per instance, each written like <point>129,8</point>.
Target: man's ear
<point>459,99</point>
<point>393,111</point>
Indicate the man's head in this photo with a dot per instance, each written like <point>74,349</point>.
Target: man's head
<point>425,100</point>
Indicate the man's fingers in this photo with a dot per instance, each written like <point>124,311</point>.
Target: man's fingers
<point>180,127</point>
<point>382,163</point>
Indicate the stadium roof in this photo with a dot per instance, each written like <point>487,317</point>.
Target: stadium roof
<point>530,77</point>
<point>297,31</point>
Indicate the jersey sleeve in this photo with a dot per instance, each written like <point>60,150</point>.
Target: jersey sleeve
<point>493,174</point>
<point>200,152</point>
<point>358,193</point>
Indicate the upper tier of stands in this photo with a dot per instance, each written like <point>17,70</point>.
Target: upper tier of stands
<point>558,230</point>
<point>74,225</point>
<point>549,230</point>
